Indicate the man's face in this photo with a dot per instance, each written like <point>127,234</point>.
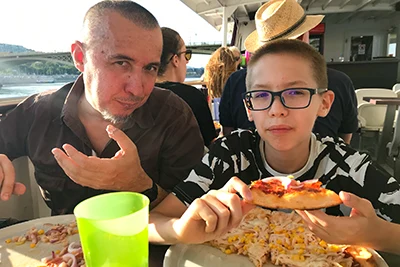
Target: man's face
<point>120,68</point>
<point>285,129</point>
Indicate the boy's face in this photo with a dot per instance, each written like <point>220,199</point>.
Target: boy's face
<point>286,129</point>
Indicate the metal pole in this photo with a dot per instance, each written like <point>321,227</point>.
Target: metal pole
<point>224,27</point>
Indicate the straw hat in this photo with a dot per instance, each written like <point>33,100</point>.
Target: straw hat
<point>280,19</point>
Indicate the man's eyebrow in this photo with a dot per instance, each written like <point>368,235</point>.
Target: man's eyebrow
<point>156,64</point>
<point>121,56</point>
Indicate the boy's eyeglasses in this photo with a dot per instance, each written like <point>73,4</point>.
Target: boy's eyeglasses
<point>293,98</point>
<point>188,54</point>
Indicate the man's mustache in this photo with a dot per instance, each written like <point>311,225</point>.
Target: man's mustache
<point>132,98</point>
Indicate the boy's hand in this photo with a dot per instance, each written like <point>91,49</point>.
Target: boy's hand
<point>214,214</point>
<point>359,228</point>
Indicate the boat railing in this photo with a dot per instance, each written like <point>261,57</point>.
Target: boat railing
<point>9,103</point>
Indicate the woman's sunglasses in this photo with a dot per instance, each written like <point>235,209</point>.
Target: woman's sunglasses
<point>188,54</point>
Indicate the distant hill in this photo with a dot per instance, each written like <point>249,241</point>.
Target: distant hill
<point>8,48</point>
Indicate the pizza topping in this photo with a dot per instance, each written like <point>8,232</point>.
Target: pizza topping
<point>282,185</point>
<point>284,240</point>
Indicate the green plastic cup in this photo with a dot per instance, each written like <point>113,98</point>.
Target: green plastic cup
<point>113,229</point>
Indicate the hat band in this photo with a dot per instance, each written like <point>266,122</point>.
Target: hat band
<point>294,27</point>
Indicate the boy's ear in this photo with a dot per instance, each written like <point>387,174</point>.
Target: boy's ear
<point>327,99</point>
<point>249,116</point>
<point>78,55</point>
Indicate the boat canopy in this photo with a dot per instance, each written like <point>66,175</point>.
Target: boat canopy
<point>220,12</point>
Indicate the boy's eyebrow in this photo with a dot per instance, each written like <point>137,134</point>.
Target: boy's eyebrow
<point>290,84</point>
<point>260,86</point>
<point>267,86</point>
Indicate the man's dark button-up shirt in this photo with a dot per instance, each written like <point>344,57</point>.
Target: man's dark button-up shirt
<point>164,130</point>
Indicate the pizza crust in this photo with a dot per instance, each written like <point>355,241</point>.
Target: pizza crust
<point>297,201</point>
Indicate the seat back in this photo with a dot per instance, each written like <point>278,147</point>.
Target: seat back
<point>371,117</point>
<point>373,92</point>
<point>396,87</point>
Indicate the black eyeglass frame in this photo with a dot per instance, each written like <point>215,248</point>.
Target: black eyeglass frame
<point>247,97</point>
<point>186,52</point>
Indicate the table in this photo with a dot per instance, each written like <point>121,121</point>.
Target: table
<point>392,105</point>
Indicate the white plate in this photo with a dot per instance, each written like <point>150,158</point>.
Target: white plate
<point>12,255</point>
<point>203,255</point>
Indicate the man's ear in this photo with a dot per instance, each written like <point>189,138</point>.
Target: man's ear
<point>249,116</point>
<point>327,99</point>
<point>78,55</point>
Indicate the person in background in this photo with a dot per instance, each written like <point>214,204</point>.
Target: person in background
<point>237,54</point>
<point>220,66</point>
<point>287,91</point>
<point>342,119</point>
<point>172,74</point>
<point>110,130</point>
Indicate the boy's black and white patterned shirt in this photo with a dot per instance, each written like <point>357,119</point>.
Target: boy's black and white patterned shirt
<point>336,165</point>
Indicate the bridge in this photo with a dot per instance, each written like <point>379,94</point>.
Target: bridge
<point>21,58</point>
<point>10,60</point>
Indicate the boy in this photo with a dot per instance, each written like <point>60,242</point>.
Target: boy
<point>286,92</point>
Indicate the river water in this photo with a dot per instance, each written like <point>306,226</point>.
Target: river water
<point>21,90</point>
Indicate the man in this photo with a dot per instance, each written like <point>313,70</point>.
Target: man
<point>341,121</point>
<point>111,130</point>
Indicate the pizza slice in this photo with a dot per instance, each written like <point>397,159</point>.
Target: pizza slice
<point>286,193</point>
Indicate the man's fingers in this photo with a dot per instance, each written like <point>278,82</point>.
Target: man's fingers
<point>123,141</point>
<point>360,206</point>
<point>235,185</point>
<point>63,160</point>
<point>19,189</point>
<point>7,177</point>
<point>86,162</point>
<point>78,174</point>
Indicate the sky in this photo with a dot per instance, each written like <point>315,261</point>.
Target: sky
<point>52,25</point>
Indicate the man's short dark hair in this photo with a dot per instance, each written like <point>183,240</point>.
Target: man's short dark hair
<point>128,9</point>
<point>293,47</point>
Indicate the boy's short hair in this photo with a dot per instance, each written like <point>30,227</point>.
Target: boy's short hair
<point>294,47</point>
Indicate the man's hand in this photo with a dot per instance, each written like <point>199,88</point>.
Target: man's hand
<point>214,214</point>
<point>122,172</point>
<point>357,229</point>
<point>8,185</point>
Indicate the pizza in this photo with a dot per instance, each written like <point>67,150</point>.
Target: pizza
<point>286,193</point>
<point>283,239</point>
